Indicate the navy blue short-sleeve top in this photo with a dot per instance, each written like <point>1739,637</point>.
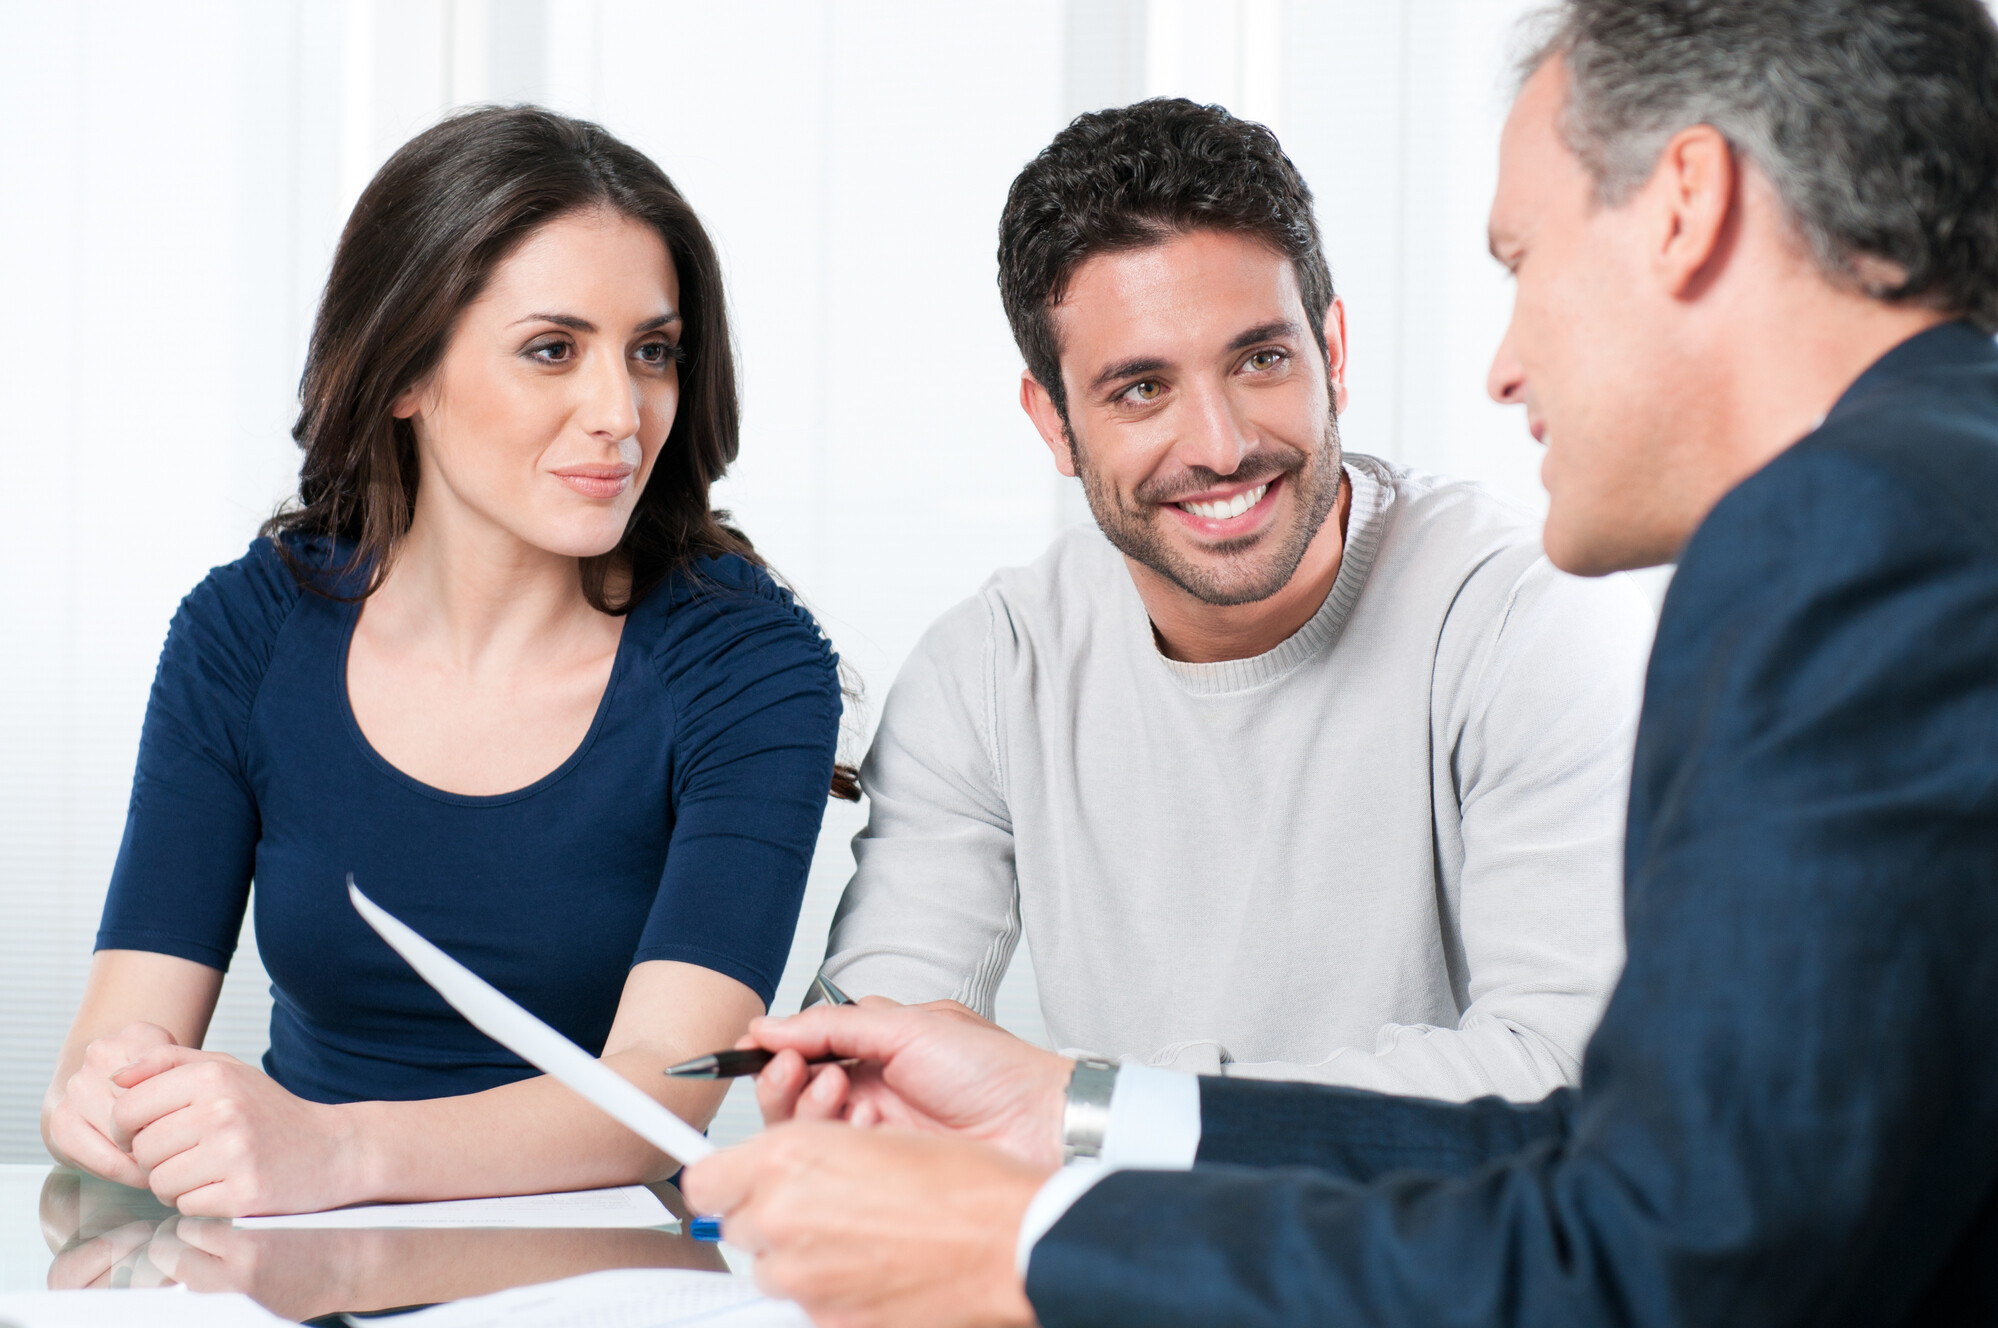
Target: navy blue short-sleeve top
<point>681,828</point>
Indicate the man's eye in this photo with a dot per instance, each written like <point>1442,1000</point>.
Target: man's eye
<point>1144,393</point>
<point>1266,359</point>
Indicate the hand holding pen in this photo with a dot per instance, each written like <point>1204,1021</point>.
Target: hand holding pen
<point>937,1070</point>
<point>739,1063</point>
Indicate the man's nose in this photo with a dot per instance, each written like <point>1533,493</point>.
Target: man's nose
<point>1506,380</point>
<point>1213,434</point>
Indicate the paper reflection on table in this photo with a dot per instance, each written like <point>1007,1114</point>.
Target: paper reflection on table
<point>105,1235</point>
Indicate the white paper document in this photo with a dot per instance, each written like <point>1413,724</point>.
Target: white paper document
<point>624,1206</point>
<point>623,1298</point>
<point>169,1307</point>
<point>533,1041</point>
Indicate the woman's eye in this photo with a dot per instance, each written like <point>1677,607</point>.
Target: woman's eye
<point>659,353</point>
<point>549,352</point>
<point>1144,393</point>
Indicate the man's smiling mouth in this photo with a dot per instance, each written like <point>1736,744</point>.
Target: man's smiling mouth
<point>1222,509</point>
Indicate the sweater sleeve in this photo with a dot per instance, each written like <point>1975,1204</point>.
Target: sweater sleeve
<point>756,696</point>
<point>1543,721</point>
<point>182,877</point>
<point>933,910</point>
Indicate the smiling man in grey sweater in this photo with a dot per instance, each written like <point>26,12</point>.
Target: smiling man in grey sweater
<point>1300,765</point>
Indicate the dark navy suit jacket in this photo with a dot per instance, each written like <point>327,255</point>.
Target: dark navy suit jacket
<point>1790,1112</point>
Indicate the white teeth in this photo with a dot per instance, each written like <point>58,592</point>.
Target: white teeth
<point>1221,511</point>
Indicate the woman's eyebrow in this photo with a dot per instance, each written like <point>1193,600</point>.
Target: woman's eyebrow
<point>575,324</point>
<point>570,321</point>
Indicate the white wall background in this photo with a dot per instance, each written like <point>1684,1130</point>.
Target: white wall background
<point>172,178</point>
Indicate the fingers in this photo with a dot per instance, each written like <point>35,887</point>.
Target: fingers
<point>170,1136</point>
<point>90,1263</point>
<point>778,1086</point>
<point>192,1180</point>
<point>158,1092</point>
<point>721,1182</point>
<point>177,1261</point>
<point>874,1029</point>
<point>191,1147</point>
<point>214,1198</point>
<point>87,1099</point>
<point>727,1183</point>
<point>106,1059</point>
<point>86,1146</point>
<point>61,1208</point>
<point>158,1060</point>
<point>824,1099</point>
<point>209,1235</point>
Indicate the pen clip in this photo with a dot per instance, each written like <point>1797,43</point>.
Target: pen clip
<point>823,987</point>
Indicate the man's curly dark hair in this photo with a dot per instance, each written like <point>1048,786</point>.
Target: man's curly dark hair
<point>1135,176</point>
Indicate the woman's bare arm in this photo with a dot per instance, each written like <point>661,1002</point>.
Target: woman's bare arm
<point>220,1139</point>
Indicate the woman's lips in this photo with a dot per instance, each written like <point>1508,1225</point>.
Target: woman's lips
<point>596,481</point>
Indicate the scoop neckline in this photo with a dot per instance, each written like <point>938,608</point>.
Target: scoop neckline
<point>394,772</point>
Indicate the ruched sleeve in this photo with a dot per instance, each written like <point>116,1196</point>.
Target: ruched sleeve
<point>755,693</point>
<point>182,876</point>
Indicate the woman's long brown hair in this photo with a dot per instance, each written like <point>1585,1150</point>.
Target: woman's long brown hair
<point>422,243</point>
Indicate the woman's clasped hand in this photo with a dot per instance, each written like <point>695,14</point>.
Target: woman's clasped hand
<point>218,1138</point>
<point>203,1131</point>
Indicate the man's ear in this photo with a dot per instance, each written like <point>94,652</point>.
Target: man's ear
<point>1040,408</point>
<point>1694,185</point>
<point>1335,351</point>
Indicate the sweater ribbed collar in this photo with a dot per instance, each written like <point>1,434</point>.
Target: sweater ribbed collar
<point>1373,495</point>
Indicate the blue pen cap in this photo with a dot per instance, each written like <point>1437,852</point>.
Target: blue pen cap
<point>705,1228</point>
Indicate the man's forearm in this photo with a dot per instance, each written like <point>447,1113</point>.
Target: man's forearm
<point>1357,1135</point>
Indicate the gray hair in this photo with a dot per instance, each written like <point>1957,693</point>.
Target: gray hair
<point>1875,120</point>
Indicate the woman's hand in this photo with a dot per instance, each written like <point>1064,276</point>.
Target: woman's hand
<point>115,1258</point>
<point>217,1138</point>
<point>294,1274</point>
<point>81,1127</point>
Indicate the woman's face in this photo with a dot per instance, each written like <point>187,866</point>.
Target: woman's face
<point>556,390</point>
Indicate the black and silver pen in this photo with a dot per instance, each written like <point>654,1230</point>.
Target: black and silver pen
<point>738,1064</point>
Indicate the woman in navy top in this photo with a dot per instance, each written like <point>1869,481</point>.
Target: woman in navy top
<point>502,663</point>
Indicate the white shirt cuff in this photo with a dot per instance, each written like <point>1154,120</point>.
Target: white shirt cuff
<point>1154,1119</point>
<point>1154,1126</point>
<point>1056,1196</point>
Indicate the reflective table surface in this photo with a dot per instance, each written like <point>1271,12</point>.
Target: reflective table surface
<point>62,1230</point>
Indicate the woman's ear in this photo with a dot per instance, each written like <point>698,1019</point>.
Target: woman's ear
<point>410,402</point>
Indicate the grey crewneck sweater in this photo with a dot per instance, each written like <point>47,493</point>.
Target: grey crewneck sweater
<point>1385,853</point>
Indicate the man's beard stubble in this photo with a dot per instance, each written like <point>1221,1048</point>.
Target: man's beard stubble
<point>1133,530</point>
